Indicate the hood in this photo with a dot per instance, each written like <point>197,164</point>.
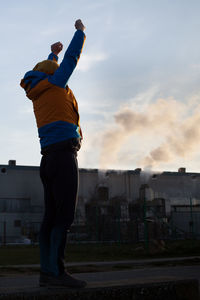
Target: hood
<point>30,82</point>
<point>47,66</point>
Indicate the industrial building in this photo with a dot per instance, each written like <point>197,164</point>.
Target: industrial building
<point>117,194</point>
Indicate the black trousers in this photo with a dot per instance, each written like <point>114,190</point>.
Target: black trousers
<point>59,175</point>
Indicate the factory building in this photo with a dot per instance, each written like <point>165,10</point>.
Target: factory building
<point>21,196</point>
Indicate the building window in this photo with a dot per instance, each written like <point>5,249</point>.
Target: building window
<point>17,223</point>
<point>103,193</point>
<point>124,212</point>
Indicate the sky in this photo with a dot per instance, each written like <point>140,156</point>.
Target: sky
<point>137,81</point>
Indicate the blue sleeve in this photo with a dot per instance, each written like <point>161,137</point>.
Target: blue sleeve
<point>69,62</point>
<point>52,56</point>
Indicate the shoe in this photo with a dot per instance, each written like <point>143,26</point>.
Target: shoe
<point>64,280</point>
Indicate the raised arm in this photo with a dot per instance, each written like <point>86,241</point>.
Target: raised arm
<point>56,48</point>
<point>71,57</point>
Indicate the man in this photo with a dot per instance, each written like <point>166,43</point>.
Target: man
<point>57,118</point>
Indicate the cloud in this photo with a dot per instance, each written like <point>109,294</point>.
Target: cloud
<point>87,61</point>
<point>50,31</point>
<point>26,109</point>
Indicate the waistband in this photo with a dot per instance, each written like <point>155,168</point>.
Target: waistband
<point>71,145</point>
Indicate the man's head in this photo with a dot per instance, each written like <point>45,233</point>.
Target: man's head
<point>46,66</point>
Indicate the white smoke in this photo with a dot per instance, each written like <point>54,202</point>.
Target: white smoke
<point>172,124</point>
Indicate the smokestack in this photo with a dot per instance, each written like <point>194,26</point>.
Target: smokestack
<point>182,170</point>
<point>138,170</point>
<point>12,162</point>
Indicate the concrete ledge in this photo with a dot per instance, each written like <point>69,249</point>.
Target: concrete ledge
<point>171,290</point>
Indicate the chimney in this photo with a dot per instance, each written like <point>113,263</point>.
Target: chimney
<point>182,170</point>
<point>12,162</point>
<point>138,170</point>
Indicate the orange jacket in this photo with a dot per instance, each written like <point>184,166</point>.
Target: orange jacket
<point>55,107</point>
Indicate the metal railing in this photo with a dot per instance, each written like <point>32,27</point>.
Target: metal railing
<point>110,225</point>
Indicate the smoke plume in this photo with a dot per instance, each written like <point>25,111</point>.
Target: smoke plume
<point>172,125</point>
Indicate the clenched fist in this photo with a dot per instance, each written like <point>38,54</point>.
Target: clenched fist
<point>79,25</point>
<point>56,48</point>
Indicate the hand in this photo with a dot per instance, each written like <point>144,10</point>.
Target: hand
<point>79,25</point>
<point>56,48</point>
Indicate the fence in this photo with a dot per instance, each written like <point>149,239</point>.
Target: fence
<point>185,224</point>
<point>120,223</point>
<point>3,233</point>
<point>142,224</point>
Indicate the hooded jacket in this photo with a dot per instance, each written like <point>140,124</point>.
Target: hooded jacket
<point>55,107</point>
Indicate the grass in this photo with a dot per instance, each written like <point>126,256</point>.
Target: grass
<point>21,255</point>
<point>17,255</point>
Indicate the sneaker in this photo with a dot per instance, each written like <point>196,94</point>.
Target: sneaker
<point>64,280</point>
